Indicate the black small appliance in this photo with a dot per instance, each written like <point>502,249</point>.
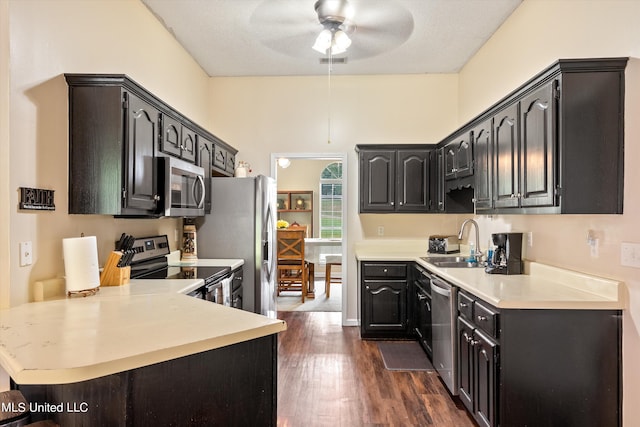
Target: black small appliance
<point>507,254</point>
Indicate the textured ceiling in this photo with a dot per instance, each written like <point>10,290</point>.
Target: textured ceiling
<point>274,37</point>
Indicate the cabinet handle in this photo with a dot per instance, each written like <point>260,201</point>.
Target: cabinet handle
<point>393,203</point>
<point>464,305</point>
<point>401,203</point>
<point>367,287</point>
<point>156,197</point>
<point>474,343</point>
<point>385,270</point>
<point>482,318</point>
<point>513,196</point>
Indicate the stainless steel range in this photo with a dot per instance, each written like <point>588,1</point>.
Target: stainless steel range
<point>221,285</point>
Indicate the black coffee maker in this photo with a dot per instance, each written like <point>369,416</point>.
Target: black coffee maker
<point>507,254</point>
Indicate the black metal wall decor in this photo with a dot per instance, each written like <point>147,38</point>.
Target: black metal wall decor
<point>36,199</point>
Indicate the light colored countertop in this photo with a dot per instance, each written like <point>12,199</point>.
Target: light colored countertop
<point>174,261</point>
<point>542,287</point>
<point>121,328</point>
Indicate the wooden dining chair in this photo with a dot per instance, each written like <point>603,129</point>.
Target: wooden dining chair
<point>292,266</point>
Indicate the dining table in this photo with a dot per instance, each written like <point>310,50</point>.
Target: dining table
<point>315,252</point>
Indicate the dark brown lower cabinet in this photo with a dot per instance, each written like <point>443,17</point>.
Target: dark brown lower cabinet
<point>477,373</point>
<point>384,300</point>
<point>543,367</point>
<point>230,386</point>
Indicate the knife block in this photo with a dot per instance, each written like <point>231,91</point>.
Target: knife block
<point>112,275</point>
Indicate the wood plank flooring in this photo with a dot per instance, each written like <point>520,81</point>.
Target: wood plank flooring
<point>328,376</point>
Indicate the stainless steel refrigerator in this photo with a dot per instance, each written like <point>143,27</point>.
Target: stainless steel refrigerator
<point>242,224</point>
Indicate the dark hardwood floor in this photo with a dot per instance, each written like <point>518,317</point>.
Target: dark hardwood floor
<point>328,376</point>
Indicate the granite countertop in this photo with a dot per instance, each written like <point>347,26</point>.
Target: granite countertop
<point>541,287</point>
<point>121,328</point>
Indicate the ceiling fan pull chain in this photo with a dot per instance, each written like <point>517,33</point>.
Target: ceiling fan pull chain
<point>329,97</point>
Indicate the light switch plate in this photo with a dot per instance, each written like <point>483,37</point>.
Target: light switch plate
<point>630,254</point>
<point>26,254</point>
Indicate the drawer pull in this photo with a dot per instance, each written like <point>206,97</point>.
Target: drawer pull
<point>464,305</point>
<point>482,318</point>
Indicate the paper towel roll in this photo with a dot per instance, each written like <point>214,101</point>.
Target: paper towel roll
<point>81,263</point>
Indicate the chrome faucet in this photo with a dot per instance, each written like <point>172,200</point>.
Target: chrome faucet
<point>478,253</point>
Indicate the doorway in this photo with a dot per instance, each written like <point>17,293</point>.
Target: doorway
<point>303,179</point>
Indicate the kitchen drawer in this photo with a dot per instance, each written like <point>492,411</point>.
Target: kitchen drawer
<point>485,318</point>
<point>465,306</point>
<point>384,270</point>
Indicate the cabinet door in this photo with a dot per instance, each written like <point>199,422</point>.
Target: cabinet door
<point>412,192</point>
<point>450,161</point>
<point>485,378</point>
<point>465,363</point>
<point>537,148</point>
<point>142,136</point>
<point>423,321</point>
<point>464,157</point>
<point>384,306</point>
<point>188,145</point>
<point>170,143</point>
<point>482,150</point>
<point>436,182</point>
<point>459,158</point>
<point>219,157</point>
<point>204,160</point>
<point>377,181</point>
<point>505,143</point>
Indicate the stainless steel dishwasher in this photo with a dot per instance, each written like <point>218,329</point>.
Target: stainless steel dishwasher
<point>445,354</point>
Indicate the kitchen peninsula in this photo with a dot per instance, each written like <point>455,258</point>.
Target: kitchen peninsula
<point>143,354</point>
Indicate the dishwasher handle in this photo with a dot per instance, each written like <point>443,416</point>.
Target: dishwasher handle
<point>440,287</point>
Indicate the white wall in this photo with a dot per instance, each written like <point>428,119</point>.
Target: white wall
<point>538,33</point>
<point>40,40</point>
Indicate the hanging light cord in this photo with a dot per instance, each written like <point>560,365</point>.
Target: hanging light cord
<point>329,97</point>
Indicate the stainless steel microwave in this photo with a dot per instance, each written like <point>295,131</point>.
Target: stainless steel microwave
<point>183,189</point>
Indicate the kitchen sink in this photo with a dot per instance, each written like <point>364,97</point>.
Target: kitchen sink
<point>451,261</point>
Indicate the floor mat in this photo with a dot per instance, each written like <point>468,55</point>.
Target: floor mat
<point>404,356</point>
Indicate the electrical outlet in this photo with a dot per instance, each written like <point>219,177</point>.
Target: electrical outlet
<point>381,230</point>
<point>630,254</point>
<point>26,254</point>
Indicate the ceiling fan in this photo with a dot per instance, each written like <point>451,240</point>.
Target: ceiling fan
<point>292,27</point>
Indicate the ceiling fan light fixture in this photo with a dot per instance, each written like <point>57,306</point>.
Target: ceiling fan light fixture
<point>323,41</point>
<point>341,40</point>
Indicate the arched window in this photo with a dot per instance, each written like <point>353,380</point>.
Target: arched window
<point>331,201</point>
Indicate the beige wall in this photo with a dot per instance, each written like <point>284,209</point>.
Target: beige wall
<point>5,171</point>
<point>304,175</point>
<point>49,38</point>
<point>538,33</point>
<point>264,115</point>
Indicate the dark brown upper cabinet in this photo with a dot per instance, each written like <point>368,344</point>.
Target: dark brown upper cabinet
<point>113,132</point>
<point>117,129</point>
<point>178,140</point>
<point>394,178</point>
<point>555,145</point>
<point>482,137</point>
<point>459,157</point>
